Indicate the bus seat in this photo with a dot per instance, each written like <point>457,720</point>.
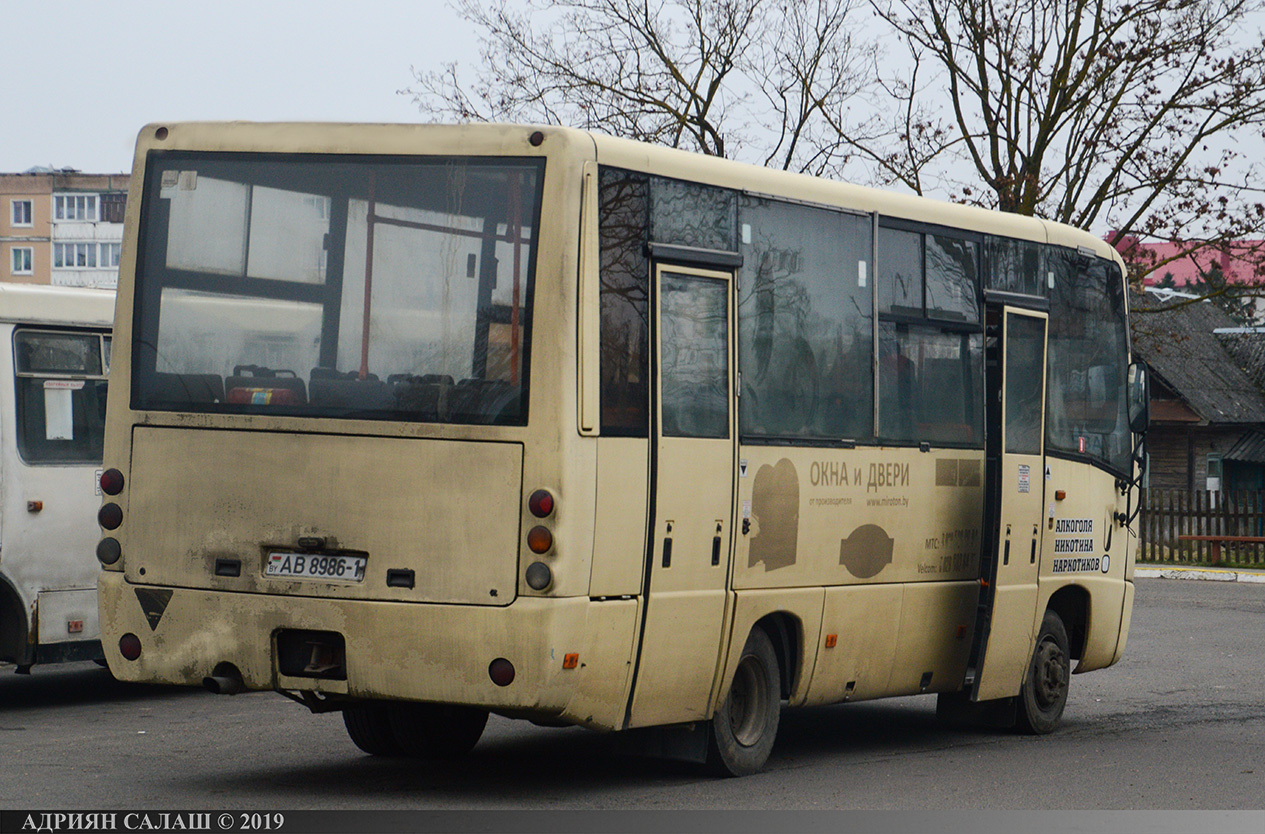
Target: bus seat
<point>425,396</point>
<point>188,388</point>
<point>482,400</point>
<point>351,393</point>
<point>256,385</point>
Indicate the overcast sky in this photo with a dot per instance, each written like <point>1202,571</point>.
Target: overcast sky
<point>81,78</point>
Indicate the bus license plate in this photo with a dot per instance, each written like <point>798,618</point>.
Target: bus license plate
<point>315,566</point>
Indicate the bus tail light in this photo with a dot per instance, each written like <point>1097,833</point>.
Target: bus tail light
<point>110,516</point>
<point>108,551</point>
<point>539,539</point>
<point>130,646</point>
<point>501,671</point>
<point>540,503</point>
<point>111,482</point>
<point>538,575</point>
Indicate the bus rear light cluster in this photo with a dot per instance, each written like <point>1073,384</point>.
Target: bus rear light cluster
<point>111,482</point>
<point>110,516</point>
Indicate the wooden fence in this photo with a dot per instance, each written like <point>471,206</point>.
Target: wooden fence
<point>1170,517</point>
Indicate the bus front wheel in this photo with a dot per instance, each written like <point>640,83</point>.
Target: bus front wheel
<point>1045,686</point>
<point>744,727</point>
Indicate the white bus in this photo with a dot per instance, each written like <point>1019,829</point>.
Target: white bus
<point>55,345</point>
<point>419,423</point>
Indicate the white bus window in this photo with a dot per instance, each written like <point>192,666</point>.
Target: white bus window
<point>60,396</point>
<point>805,323</point>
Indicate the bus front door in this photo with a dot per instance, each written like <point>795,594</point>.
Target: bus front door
<point>692,504</point>
<point>1015,494</point>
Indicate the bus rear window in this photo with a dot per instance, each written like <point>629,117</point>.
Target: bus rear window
<point>337,286</point>
<point>60,390</point>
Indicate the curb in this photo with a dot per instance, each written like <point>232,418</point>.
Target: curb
<point>1211,574</point>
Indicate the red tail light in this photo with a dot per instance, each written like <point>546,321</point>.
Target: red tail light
<point>111,482</point>
<point>540,503</point>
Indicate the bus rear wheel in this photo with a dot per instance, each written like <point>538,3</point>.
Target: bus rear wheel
<point>1045,687</point>
<point>437,731</point>
<point>744,727</point>
<point>369,726</point>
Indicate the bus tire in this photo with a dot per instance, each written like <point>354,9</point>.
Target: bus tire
<point>744,727</point>
<point>369,726</point>
<point>1045,687</point>
<point>437,731</point>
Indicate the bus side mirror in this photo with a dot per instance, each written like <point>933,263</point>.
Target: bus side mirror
<point>1139,397</point>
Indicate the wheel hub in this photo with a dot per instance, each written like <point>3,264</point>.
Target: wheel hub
<point>1050,674</point>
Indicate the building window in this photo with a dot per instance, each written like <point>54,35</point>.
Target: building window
<point>75,207</point>
<point>23,257</point>
<point>109,255</point>
<point>74,255</point>
<point>21,212</point>
<point>113,205</point>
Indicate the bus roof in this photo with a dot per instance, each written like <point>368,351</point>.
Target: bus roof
<point>670,162</point>
<point>38,304</point>
<point>334,137</point>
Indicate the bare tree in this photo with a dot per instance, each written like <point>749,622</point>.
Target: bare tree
<point>770,81</point>
<point>1128,115</point>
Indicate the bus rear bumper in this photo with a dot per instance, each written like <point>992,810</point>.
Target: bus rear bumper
<point>412,651</point>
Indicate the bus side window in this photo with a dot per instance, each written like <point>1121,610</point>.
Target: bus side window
<point>624,298</point>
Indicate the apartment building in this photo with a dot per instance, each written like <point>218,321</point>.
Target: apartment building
<point>62,227</point>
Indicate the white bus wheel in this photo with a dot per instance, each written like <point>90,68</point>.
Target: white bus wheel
<point>1045,686</point>
<point>745,726</point>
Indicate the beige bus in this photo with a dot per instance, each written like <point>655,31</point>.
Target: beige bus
<point>419,423</point>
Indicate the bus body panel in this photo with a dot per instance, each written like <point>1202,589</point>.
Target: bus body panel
<point>868,515</point>
<point>1086,546</point>
<point>200,629</point>
<point>801,612</point>
<point>404,504</point>
<point>619,525</point>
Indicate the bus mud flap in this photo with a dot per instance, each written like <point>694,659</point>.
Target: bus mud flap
<point>681,742</point>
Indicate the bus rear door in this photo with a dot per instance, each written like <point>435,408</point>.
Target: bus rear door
<point>693,482</point>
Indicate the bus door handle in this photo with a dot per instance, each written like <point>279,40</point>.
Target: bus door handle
<point>1032,558</point>
<point>746,526</point>
<point>716,546</point>
<point>667,551</point>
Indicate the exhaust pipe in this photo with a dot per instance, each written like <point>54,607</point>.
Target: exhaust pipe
<point>225,679</point>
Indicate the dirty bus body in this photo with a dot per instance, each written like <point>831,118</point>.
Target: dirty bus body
<point>422,422</point>
<point>56,354</point>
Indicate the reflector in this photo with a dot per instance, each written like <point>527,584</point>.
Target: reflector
<point>501,671</point>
